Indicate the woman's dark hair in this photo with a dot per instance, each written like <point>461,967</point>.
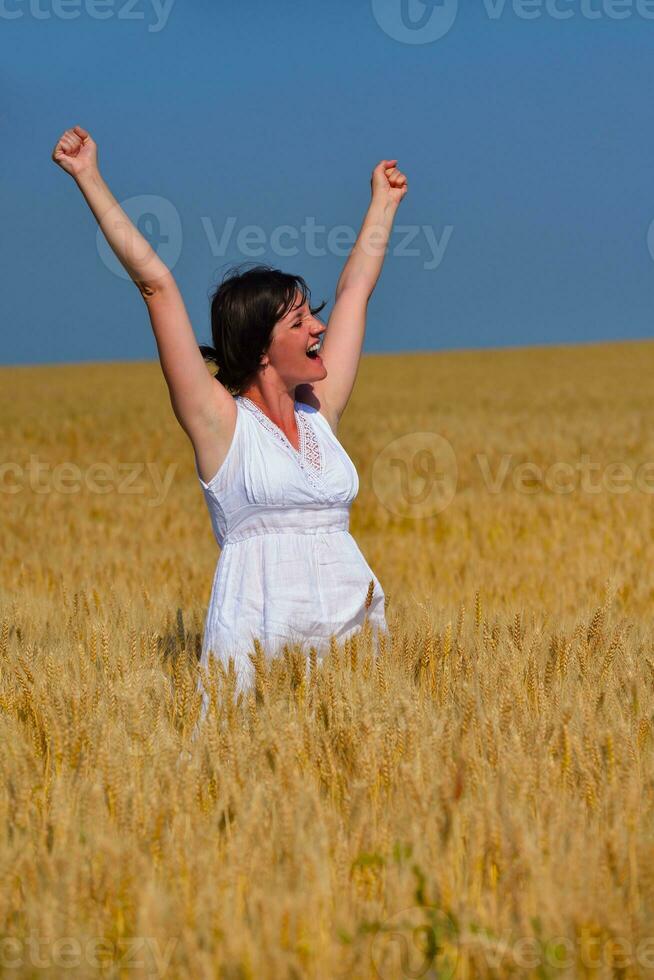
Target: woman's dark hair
<point>244,309</point>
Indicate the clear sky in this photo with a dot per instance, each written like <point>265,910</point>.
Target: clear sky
<point>525,130</point>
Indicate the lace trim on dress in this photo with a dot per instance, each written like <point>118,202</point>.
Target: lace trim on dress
<point>310,455</point>
<point>309,446</point>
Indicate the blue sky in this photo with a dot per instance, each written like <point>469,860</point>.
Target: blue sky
<point>524,127</point>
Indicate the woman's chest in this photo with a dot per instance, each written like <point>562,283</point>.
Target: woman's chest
<point>275,473</point>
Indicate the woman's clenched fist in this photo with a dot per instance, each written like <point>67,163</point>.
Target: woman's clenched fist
<point>76,152</point>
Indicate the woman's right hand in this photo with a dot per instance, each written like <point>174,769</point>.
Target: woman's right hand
<point>76,152</point>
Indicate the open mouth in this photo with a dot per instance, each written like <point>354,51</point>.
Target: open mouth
<point>312,351</point>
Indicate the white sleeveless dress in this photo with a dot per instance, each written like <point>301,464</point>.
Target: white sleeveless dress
<point>289,569</point>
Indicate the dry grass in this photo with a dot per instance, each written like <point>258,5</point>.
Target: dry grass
<point>488,777</point>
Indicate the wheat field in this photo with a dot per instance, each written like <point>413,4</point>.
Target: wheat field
<point>474,801</point>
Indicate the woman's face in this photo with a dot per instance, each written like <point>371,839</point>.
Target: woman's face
<point>291,338</point>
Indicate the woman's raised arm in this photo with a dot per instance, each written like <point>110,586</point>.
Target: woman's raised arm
<point>198,399</point>
<point>341,349</point>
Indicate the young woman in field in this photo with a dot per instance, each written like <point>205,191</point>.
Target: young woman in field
<point>277,482</point>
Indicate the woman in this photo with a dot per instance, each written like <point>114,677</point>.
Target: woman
<point>277,482</point>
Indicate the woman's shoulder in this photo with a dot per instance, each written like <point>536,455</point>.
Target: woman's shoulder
<point>317,414</point>
<point>310,403</point>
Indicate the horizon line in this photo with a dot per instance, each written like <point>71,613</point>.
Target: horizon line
<point>396,353</point>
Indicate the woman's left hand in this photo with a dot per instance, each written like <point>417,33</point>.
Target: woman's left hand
<point>388,184</point>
